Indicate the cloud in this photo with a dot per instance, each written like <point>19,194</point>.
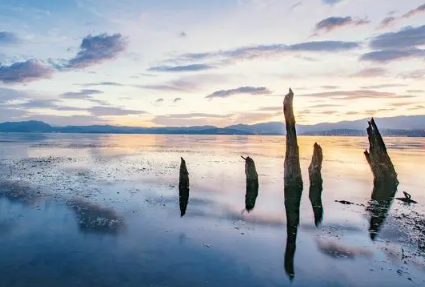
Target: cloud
<point>356,94</point>
<point>270,109</point>
<point>404,39</point>
<point>187,68</point>
<point>174,86</point>
<point>182,35</point>
<point>417,75</point>
<point>113,111</point>
<point>332,23</point>
<point>7,95</point>
<point>295,6</point>
<point>419,10</point>
<point>97,49</point>
<point>25,72</point>
<point>177,100</point>
<point>264,51</point>
<point>331,2</point>
<point>82,94</point>
<point>370,73</point>
<point>386,56</point>
<point>325,106</point>
<point>100,84</point>
<point>8,38</point>
<point>190,119</point>
<point>418,107</point>
<point>240,90</point>
<point>387,22</point>
<point>330,87</point>
<point>159,100</point>
<point>415,91</point>
<point>384,86</point>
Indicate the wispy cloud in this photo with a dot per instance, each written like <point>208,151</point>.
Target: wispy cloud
<point>159,100</point>
<point>356,94</point>
<point>332,2</point>
<point>386,56</point>
<point>416,74</point>
<point>419,10</point>
<point>24,72</point>
<point>384,86</point>
<point>173,86</point>
<point>240,90</point>
<point>370,73</point>
<point>187,68</point>
<point>190,119</point>
<point>387,22</point>
<point>332,23</point>
<point>97,49</point>
<point>100,84</point>
<point>273,50</point>
<point>113,111</point>
<point>176,100</point>
<point>295,6</point>
<point>82,94</point>
<point>404,39</point>
<point>8,38</point>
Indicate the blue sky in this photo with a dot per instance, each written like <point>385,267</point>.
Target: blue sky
<point>196,62</point>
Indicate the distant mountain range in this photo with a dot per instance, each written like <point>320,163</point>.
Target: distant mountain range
<point>396,126</point>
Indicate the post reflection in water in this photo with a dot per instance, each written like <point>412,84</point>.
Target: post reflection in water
<point>292,206</point>
<point>316,184</point>
<point>251,184</point>
<point>183,187</point>
<point>382,199</point>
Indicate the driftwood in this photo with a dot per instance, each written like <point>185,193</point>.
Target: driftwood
<point>251,184</point>
<point>407,198</point>
<point>293,184</point>
<point>183,187</point>
<point>379,161</point>
<point>316,183</point>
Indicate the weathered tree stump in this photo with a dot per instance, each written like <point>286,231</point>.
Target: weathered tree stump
<point>316,183</point>
<point>379,161</point>
<point>385,180</point>
<point>251,183</point>
<point>292,157</point>
<point>183,187</point>
<point>293,184</point>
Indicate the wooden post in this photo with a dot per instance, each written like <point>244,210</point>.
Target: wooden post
<point>379,161</point>
<point>251,184</point>
<point>316,183</point>
<point>385,180</point>
<point>293,184</point>
<point>292,157</point>
<point>183,187</point>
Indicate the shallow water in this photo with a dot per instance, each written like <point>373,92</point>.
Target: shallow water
<point>103,210</point>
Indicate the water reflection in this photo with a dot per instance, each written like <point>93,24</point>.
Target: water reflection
<point>92,218</point>
<point>183,187</point>
<point>251,184</point>
<point>292,206</point>
<point>316,184</point>
<point>382,199</point>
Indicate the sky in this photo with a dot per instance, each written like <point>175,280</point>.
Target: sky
<point>198,62</point>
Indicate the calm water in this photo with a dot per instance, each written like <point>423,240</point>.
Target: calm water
<point>103,210</point>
